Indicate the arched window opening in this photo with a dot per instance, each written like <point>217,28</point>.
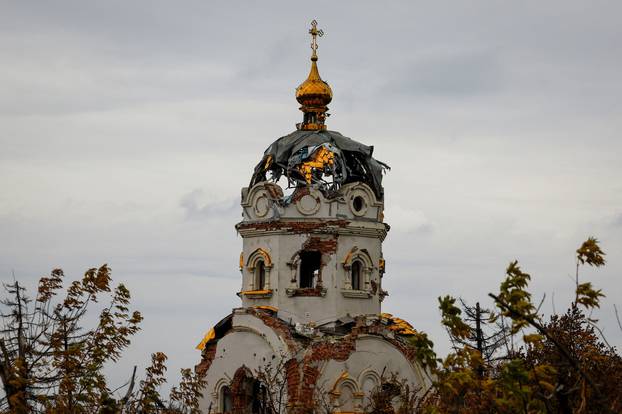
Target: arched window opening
<point>358,203</point>
<point>225,400</point>
<point>356,273</point>
<point>310,264</point>
<point>253,397</point>
<point>260,275</point>
<point>259,398</point>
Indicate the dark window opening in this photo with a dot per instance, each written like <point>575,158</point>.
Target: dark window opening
<point>260,275</point>
<point>310,264</point>
<point>259,398</point>
<point>253,397</point>
<point>226,404</point>
<point>358,203</point>
<point>356,272</point>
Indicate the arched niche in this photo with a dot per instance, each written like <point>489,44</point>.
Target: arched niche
<point>259,265</point>
<point>368,380</point>
<point>357,264</point>
<point>222,396</point>
<point>347,396</point>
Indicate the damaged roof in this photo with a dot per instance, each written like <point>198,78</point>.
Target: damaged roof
<point>326,159</point>
<point>394,324</point>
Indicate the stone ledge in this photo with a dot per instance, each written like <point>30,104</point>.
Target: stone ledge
<point>256,294</point>
<point>357,294</point>
<point>316,291</point>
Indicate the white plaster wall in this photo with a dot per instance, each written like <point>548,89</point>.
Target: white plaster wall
<point>282,247</point>
<point>250,343</point>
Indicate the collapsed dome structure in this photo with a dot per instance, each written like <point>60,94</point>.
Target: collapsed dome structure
<point>324,159</point>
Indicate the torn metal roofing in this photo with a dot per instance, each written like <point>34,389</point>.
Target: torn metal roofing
<point>326,159</point>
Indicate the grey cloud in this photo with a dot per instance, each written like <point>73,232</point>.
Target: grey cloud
<point>191,203</point>
<point>450,75</point>
<point>407,220</point>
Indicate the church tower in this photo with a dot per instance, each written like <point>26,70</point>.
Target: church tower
<point>315,255</point>
<point>312,267</point>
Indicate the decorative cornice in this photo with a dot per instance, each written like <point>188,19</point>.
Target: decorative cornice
<point>356,294</point>
<point>316,291</point>
<point>256,294</point>
<point>255,229</point>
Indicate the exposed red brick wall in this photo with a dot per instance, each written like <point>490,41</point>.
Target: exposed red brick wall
<point>239,395</point>
<point>292,374</point>
<point>316,291</point>
<point>307,390</point>
<point>378,328</point>
<point>207,357</point>
<point>302,372</point>
<point>304,375</point>
<point>295,227</point>
<point>275,191</point>
<point>299,193</point>
<point>280,327</point>
<point>327,246</point>
<point>324,245</point>
<point>338,350</point>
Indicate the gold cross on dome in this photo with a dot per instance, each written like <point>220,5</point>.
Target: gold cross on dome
<point>314,32</point>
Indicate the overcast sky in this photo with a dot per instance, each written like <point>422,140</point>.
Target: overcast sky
<point>127,130</point>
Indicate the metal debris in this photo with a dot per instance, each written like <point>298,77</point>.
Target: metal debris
<point>324,159</point>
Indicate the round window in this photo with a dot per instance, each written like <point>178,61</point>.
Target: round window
<point>262,206</point>
<point>358,203</point>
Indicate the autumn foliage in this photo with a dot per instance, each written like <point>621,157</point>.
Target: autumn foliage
<point>559,365</point>
<point>52,362</point>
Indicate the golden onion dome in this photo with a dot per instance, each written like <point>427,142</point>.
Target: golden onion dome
<point>314,94</point>
<point>314,91</point>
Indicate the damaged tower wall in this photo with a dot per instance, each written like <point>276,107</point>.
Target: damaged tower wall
<point>345,368</point>
<point>343,229</point>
